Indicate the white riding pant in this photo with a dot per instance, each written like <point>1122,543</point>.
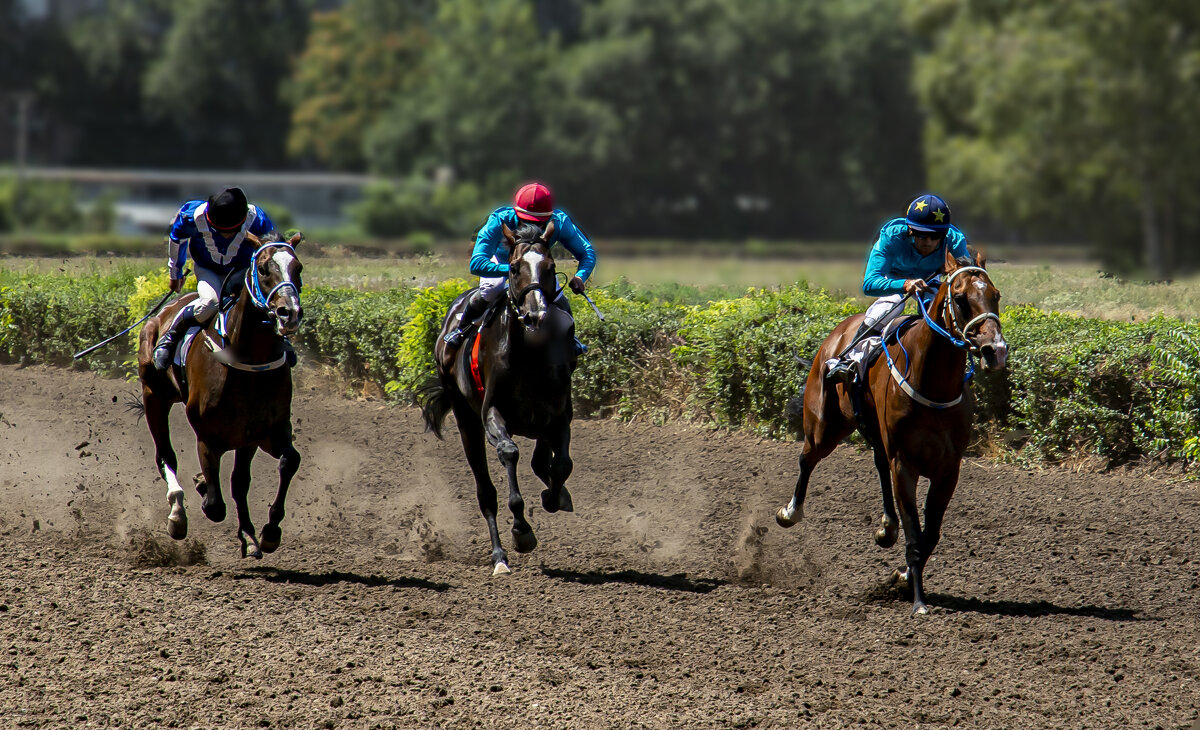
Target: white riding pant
<point>877,316</point>
<point>208,286</point>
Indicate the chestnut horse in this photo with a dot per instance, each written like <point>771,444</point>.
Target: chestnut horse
<point>512,378</point>
<point>917,421</point>
<point>237,396</point>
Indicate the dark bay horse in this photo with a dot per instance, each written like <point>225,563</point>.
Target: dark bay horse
<point>237,397</point>
<point>914,412</point>
<point>513,378</point>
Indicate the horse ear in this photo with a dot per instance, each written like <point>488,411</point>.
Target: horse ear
<point>981,259</point>
<point>548,233</point>
<point>254,239</point>
<point>296,238</point>
<point>508,234</point>
<point>951,262</point>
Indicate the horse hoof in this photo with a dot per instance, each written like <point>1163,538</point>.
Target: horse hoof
<point>501,568</point>
<point>214,512</point>
<point>270,538</point>
<point>885,538</point>
<point>783,520</point>
<point>524,542</point>
<point>177,529</point>
<point>920,609</point>
<point>562,501</point>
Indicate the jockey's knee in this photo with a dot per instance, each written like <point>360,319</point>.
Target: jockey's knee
<point>203,309</point>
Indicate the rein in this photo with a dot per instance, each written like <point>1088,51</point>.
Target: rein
<point>960,342</point>
<point>261,302</point>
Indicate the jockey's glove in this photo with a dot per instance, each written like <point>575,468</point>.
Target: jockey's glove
<point>576,284</point>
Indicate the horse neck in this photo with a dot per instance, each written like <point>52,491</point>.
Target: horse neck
<point>251,334</point>
<point>936,366</point>
<point>519,347</point>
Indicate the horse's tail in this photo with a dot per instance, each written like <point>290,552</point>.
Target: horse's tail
<point>134,405</point>
<point>793,412</point>
<point>435,404</point>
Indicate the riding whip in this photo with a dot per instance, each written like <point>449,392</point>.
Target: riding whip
<point>125,331</point>
<point>589,301</point>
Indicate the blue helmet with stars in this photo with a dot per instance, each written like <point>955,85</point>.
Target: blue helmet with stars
<point>928,214</point>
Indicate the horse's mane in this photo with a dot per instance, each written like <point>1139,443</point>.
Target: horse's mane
<point>528,233</point>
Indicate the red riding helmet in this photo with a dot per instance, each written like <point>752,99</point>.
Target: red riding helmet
<point>534,202</point>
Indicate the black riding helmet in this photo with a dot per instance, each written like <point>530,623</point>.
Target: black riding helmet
<point>227,208</point>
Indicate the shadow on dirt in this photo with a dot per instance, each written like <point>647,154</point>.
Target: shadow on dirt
<point>300,577</point>
<point>1033,609</point>
<point>893,590</point>
<point>677,582</point>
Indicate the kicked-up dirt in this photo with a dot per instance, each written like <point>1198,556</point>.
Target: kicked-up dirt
<point>668,599</point>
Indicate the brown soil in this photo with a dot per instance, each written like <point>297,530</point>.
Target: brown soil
<point>668,599</point>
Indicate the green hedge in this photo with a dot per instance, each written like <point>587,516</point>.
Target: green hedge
<point>1116,390</point>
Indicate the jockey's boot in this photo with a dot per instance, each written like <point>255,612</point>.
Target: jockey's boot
<point>165,349</point>
<point>476,306</point>
<point>844,369</point>
<point>579,347</point>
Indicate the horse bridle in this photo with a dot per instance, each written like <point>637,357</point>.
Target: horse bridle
<point>254,286</point>
<point>950,313</point>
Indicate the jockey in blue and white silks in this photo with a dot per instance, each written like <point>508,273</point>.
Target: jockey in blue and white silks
<point>213,232</point>
<point>906,258</point>
<point>534,204</point>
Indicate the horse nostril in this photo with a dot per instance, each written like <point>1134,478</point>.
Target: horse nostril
<point>283,313</point>
<point>988,351</point>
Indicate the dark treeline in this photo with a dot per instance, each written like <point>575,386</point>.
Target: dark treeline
<point>705,118</point>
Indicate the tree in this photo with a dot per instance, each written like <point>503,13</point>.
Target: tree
<point>357,60</point>
<point>1052,114</point>
<point>219,79</point>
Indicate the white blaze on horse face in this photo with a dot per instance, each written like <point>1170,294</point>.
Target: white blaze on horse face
<point>283,258</point>
<point>981,286</point>
<point>534,260</point>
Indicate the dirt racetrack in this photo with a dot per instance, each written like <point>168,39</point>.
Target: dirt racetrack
<point>668,599</point>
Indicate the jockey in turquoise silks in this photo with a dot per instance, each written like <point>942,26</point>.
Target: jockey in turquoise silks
<point>533,203</point>
<point>906,259</point>
<point>213,232</point>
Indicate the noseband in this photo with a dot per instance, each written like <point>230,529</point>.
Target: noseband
<point>254,286</point>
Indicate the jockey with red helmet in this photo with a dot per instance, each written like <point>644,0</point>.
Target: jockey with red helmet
<point>214,232</point>
<point>906,259</point>
<point>533,204</point>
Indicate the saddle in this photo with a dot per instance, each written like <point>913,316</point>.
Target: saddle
<point>873,348</point>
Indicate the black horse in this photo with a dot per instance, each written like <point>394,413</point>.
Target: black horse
<point>513,377</point>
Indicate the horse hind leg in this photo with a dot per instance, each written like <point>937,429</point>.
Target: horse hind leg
<point>289,463</point>
<point>239,483</point>
<point>810,454</point>
<point>889,523</point>
<point>158,412</point>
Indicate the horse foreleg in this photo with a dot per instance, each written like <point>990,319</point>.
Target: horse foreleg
<point>213,503</point>
<point>936,502</point>
<point>470,431</point>
<point>289,463</point>
<point>158,411</point>
<point>239,487</point>
<point>497,435</point>
<point>904,485</point>
<point>558,468</point>
<point>885,536</point>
